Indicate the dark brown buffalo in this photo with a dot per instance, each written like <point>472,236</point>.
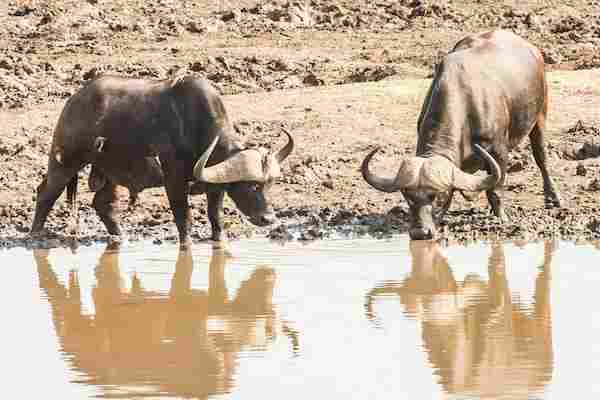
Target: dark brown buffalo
<point>139,134</point>
<point>487,94</point>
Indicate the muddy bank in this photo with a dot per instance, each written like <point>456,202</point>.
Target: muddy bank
<point>322,194</point>
<point>343,76</point>
<point>49,48</point>
<point>306,225</point>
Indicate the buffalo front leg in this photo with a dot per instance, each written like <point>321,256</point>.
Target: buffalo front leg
<point>214,202</point>
<point>177,191</point>
<point>494,195</point>
<point>446,205</point>
<point>551,196</point>
<point>105,201</point>
<point>49,190</point>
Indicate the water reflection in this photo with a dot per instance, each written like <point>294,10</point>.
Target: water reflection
<point>481,340</point>
<point>183,343</point>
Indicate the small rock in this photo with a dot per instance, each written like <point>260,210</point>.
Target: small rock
<point>231,15</point>
<point>23,11</point>
<point>516,166</point>
<point>581,170</point>
<point>5,63</point>
<point>551,56</point>
<point>328,184</point>
<point>91,74</point>
<point>594,185</point>
<point>312,80</point>
<point>248,85</point>
<point>196,27</point>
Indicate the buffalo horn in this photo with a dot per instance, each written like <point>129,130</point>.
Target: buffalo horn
<point>201,163</point>
<point>245,165</point>
<point>474,183</point>
<point>388,185</point>
<point>285,150</point>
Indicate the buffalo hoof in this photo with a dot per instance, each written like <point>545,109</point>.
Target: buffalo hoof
<point>42,234</point>
<point>501,215</point>
<point>114,241</point>
<point>221,245</point>
<point>72,229</point>
<point>420,234</point>
<point>185,244</point>
<point>552,201</point>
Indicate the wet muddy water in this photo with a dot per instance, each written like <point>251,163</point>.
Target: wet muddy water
<point>339,319</point>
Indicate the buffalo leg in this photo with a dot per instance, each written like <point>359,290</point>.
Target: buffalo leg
<point>49,190</point>
<point>551,196</point>
<point>177,191</point>
<point>215,211</point>
<point>493,195</point>
<point>446,206</point>
<point>72,199</point>
<point>104,203</point>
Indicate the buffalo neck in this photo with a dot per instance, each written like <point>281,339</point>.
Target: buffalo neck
<point>444,121</point>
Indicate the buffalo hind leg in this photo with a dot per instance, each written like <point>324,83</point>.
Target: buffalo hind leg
<point>177,190</point>
<point>536,137</point>
<point>105,201</point>
<point>49,190</point>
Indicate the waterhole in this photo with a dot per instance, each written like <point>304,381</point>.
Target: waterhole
<point>338,319</point>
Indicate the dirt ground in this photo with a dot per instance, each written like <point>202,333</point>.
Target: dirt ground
<point>342,76</point>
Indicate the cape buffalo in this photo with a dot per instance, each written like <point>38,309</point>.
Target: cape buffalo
<point>141,133</point>
<point>487,94</point>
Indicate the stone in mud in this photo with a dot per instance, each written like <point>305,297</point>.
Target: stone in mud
<point>311,234</point>
<point>593,185</point>
<point>196,27</point>
<point>312,80</point>
<point>91,74</point>
<point>23,10</point>
<point>551,56</point>
<point>516,166</point>
<point>328,184</point>
<point>281,233</point>
<point>231,15</point>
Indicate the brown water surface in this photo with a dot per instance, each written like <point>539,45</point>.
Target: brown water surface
<point>345,319</point>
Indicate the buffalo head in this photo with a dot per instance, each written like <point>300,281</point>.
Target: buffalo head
<point>421,179</point>
<point>247,174</point>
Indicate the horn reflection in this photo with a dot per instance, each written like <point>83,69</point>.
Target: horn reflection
<point>184,343</point>
<point>481,340</point>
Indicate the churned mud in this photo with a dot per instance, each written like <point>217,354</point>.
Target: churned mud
<point>342,76</point>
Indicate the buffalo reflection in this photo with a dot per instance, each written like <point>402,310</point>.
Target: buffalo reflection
<point>481,341</point>
<point>183,344</point>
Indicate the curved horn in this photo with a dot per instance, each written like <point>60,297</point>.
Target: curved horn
<point>472,183</point>
<point>245,165</point>
<point>388,185</point>
<point>201,163</point>
<point>287,149</point>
